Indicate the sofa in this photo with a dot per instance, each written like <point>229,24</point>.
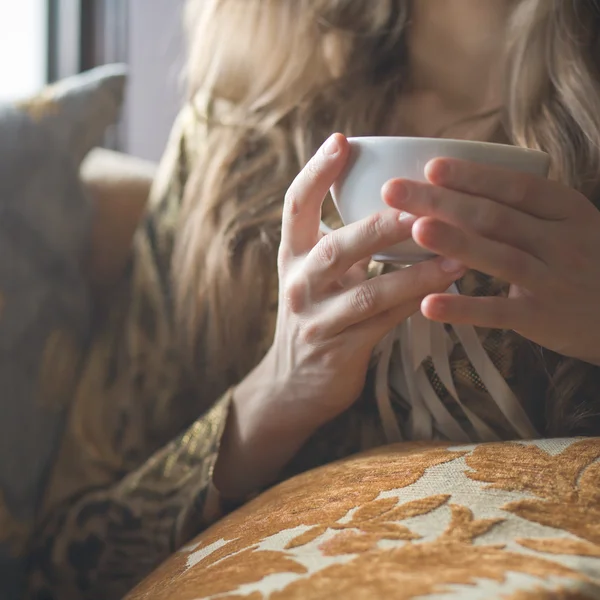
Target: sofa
<point>518,521</point>
<point>512,520</point>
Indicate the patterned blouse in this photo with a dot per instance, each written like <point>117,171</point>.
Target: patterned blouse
<point>132,480</point>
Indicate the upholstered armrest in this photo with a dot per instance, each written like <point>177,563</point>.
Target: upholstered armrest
<point>415,520</point>
<point>119,185</point>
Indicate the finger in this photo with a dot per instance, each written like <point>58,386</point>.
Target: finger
<point>356,274</point>
<point>536,196</point>
<point>494,313</point>
<point>338,251</point>
<point>471,213</point>
<point>371,332</point>
<point>399,289</point>
<point>303,200</point>
<point>487,256</point>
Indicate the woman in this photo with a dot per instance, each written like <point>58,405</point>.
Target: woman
<point>265,354</point>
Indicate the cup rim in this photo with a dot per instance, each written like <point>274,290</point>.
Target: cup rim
<point>495,145</point>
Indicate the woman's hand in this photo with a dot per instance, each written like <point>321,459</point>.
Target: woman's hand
<point>330,318</point>
<point>540,236</point>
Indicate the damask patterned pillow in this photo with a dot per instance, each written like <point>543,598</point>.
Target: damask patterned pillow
<point>44,306</point>
<point>518,521</point>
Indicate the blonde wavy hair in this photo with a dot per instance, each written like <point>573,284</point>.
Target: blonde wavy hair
<point>291,73</point>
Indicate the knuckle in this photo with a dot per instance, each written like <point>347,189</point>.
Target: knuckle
<point>295,293</point>
<point>313,170</point>
<point>328,251</point>
<point>311,333</point>
<point>374,227</point>
<point>284,256</point>
<point>434,198</point>
<point>519,188</point>
<point>488,221</point>
<point>427,277</point>
<point>515,265</point>
<point>424,277</point>
<point>575,258</point>
<point>363,299</point>
<point>292,201</point>
<point>431,199</point>
<point>375,224</point>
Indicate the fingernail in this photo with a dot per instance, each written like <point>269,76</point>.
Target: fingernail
<point>331,146</point>
<point>451,265</point>
<point>404,216</point>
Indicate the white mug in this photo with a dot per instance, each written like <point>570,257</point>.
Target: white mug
<point>375,160</point>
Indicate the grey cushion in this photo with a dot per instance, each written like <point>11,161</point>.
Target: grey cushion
<point>45,221</point>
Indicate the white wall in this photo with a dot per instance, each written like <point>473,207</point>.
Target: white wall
<point>22,47</point>
<point>156,58</point>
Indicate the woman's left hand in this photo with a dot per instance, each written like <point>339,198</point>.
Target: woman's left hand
<point>539,235</point>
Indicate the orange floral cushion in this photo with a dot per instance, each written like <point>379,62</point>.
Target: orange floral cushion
<point>518,521</point>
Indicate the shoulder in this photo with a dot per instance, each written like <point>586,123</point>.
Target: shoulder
<point>181,154</point>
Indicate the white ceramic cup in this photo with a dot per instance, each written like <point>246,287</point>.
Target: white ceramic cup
<point>375,160</point>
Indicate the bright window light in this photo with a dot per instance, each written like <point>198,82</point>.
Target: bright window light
<point>23,47</point>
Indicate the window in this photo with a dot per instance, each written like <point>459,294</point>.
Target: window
<point>84,34</point>
<point>43,41</point>
<point>23,47</point>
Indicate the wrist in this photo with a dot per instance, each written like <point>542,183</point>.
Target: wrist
<point>261,436</point>
<point>271,406</point>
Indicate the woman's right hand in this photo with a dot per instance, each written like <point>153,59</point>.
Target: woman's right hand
<point>329,321</point>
